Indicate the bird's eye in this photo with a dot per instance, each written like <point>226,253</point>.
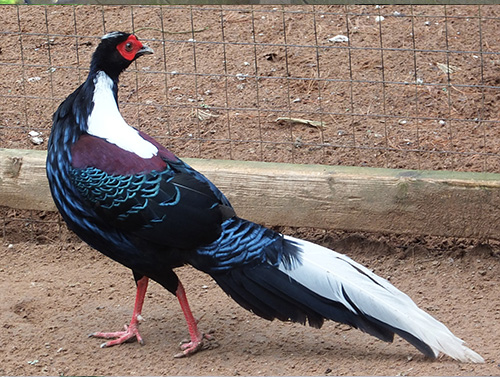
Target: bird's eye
<point>129,47</point>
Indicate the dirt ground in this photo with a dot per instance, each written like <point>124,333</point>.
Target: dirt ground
<point>55,290</point>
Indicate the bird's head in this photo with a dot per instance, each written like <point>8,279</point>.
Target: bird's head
<point>116,52</point>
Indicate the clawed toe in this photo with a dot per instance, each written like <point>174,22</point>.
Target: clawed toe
<point>190,347</point>
<point>119,337</point>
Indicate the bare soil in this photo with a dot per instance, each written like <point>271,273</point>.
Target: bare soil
<point>55,290</point>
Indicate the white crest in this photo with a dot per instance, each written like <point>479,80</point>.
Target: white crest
<point>106,122</point>
<point>111,35</point>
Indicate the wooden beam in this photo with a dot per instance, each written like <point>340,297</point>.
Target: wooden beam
<point>23,182</point>
<point>439,203</point>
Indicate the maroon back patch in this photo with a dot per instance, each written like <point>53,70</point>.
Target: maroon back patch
<point>92,151</point>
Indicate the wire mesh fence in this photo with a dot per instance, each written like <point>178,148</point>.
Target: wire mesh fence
<point>412,87</point>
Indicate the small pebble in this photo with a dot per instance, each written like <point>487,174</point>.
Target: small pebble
<point>339,38</point>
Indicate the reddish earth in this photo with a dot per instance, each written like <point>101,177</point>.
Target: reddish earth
<point>56,290</point>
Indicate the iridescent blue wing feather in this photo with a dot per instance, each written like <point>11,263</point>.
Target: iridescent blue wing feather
<point>170,208</point>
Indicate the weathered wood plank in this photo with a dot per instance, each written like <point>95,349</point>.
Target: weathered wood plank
<point>23,182</point>
<point>332,197</point>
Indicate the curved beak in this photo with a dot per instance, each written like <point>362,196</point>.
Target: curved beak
<point>145,50</point>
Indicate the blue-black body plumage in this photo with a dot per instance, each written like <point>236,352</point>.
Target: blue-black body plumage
<point>133,200</point>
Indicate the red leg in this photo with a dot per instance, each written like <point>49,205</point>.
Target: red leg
<point>196,343</point>
<point>132,330</point>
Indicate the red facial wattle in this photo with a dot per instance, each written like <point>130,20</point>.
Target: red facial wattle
<point>129,48</point>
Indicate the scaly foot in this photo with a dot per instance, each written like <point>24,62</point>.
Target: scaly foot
<point>190,347</point>
<point>131,331</point>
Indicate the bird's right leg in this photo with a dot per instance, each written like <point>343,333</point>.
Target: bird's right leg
<point>132,330</point>
<point>197,337</point>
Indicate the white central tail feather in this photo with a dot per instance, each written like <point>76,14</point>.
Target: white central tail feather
<point>329,274</point>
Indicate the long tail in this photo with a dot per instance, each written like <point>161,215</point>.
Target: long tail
<point>320,283</point>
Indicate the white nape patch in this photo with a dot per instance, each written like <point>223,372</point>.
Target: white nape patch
<point>106,122</point>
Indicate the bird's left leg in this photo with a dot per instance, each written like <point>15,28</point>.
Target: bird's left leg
<point>132,330</point>
<point>197,337</point>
